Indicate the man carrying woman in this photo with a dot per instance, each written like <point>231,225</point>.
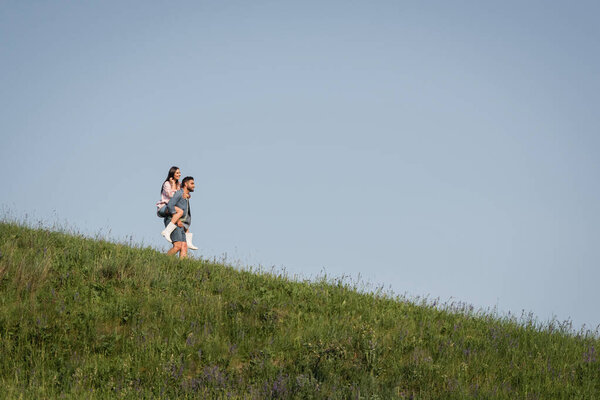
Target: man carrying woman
<point>174,208</point>
<point>180,200</point>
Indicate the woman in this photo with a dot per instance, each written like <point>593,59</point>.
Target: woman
<point>168,189</point>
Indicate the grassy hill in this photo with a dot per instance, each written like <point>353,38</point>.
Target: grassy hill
<point>83,318</point>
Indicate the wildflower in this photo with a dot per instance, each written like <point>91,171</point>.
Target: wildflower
<point>214,375</point>
<point>190,340</point>
<point>279,387</point>
<point>590,355</point>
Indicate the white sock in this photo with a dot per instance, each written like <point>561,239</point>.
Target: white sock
<point>168,230</point>
<point>188,239</point>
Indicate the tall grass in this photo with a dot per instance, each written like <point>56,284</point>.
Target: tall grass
<point>84,318</point>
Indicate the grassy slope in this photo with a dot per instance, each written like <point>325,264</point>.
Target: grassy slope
<point>83,318</point>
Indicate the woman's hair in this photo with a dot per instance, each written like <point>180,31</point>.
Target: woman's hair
<point>172,171</point>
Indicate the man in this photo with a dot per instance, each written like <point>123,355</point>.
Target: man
<point>180,199</point>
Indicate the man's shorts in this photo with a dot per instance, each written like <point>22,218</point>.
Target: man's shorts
<point>178,235</point>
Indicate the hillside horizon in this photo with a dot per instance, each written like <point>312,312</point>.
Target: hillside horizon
<point>88,318</point>
<point>522,315</point>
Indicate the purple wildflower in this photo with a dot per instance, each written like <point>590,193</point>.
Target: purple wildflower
<point>590,355</point>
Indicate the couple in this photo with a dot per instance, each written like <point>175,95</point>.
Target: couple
<point>174,207</point>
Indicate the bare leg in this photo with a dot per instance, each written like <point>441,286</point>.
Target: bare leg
<point>178,214</point>
<point>175,249</point>
<point>183,251</point>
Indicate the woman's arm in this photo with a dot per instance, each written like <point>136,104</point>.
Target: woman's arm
<point>169,189</point>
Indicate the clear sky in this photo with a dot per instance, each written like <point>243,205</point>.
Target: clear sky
<point>437,148</point>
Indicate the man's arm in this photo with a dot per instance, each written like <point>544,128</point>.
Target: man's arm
<point>174,200</point>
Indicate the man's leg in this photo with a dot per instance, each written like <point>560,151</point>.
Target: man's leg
<point>179,243</point>
<point>183,251</point>
<point>175,249</point>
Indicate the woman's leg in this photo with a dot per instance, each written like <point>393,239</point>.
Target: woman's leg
<point>188,239</point>
<point>178,214</point>
<point>162,212</point>
<point>173,224</point>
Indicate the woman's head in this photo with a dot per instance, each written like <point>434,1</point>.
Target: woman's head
<point>174,173</point>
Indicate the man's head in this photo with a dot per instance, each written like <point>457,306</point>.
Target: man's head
<point>188,183</point>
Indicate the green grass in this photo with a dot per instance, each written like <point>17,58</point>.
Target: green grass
<point>84,318</point>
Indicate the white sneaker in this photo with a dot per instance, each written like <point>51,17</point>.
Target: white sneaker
<point>168,230</point>
<point>188,239</point>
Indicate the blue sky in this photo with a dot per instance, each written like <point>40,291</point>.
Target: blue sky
<point>439,148</point>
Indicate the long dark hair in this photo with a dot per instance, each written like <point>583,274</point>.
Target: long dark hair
<point>172,171</point>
